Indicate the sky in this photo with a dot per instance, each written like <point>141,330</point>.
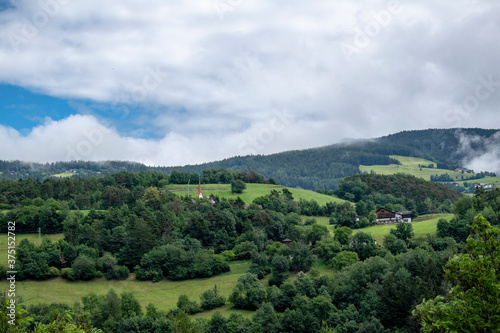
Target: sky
<point>182,82</point>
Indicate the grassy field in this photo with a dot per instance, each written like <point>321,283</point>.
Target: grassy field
<point>426,224</point>
<point>423,225</point>
<point>253,191</point>
<point>485,180</point>
<point>63,175</point>
<point>19,237</point>
<point>410,165</point>
<point>323,220</point>
<point>163,294</point>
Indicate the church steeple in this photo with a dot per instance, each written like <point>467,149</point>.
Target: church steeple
<point>200,195</point>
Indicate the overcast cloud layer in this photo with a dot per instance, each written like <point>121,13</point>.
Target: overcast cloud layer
<point>209,79</point>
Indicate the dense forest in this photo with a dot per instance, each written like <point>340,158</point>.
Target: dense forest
<point>157,235</point>
<point>317,168</point>
<point>443,145</point>
<point>399,192</point>
<point>355,188</point>
<point>321,168</point>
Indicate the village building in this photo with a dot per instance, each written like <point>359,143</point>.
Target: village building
<point>406,216</point>
<point>485,186</point>
<point>386,216</point>
<point>200,194</point>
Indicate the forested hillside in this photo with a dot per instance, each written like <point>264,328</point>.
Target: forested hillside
<point>443,145</point>
<point>321,168</point>
<point>361,287</point>
<point>399,192</point>
<point>316,168</point>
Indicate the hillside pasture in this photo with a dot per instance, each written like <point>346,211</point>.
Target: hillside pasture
<point>63,175</point>
<point>252,191</point>
<point>322,220</point>
<point>410,165</point>
<point>486,180</point>
<point>423,225</point>
<point>19,237</point>
<point>163,294</point>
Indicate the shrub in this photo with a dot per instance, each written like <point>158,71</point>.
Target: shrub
<point>53,272</point>
<point>84,268</point>
<point>184,304</point>
<point>211,299</point>
<point>228,255</point>
<point>68,273</point>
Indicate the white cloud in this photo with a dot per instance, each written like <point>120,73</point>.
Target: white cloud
<point>221,79</point>
<point>487,159</point>
<point>83,137</point>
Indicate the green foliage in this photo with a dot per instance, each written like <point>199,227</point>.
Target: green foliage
<point>64,324</point>
<point>473,304</point>
<point>211,299</point>
<point>344,259</point>
<point>327,248</point>
<point>13,316</point>
<point>176,263</point>
<point>189,307</point>
<point>302,258</point>
<point>403,231</point>
<point>265,320</point>
<point>315,232</point>
<point>68,273</point>
<point>260,265</point>
<point>178,238</point>
<point>84,268</point>
<point>399,189</point>
<point>280,264</point>
<point>364,245</point>
<point>394,244</point>
<point>397,296</point>
<point>130,306</point>
<point>248,292</point>
<point>237,186</point>
<point>343,235</point>
<point>344,215</point>
<point>244,250</point>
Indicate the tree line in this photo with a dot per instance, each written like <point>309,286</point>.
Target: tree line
<point>161,235</point>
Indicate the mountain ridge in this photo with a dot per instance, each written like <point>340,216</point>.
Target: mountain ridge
<point>311,168</point>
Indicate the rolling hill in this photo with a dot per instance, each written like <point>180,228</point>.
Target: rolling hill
<point>252,191</point>
<point>315,168</point>
<point>418,167</point>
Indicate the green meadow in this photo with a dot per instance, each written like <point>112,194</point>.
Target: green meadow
<point>423,225</point>
<point>252,191</point>
<point>19,237</point>
<point>323,220</point>
<point>63,175</point>
<point>410,165</point>
<point>163,294</point>
<point>486,180</point>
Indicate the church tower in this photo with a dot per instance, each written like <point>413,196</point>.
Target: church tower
<point>200,195</point>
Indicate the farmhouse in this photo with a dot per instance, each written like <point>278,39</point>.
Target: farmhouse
<point>406,216</point>
<point>485,186</point>
<point>385,215</point>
